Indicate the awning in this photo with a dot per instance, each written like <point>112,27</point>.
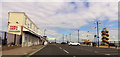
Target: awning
<point>34,34</point>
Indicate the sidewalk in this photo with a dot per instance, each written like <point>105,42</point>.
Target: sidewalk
<point>21,50</point>
<point>102,46</point>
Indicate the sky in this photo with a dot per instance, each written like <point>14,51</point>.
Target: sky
<point>60,18</point>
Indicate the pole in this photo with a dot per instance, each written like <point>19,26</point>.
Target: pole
<point>44,31</point>
<point>78,36</point>
<point>70,37</point>
<point>98,32</point>
<point>67,38</point>
<point>63,37</point>
<point>55,40</point>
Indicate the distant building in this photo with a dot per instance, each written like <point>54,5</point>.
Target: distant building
<point>20,24</point>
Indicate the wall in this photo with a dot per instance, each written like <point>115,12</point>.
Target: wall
<point>29,40</point>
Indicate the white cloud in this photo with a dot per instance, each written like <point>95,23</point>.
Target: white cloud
<point>113,35</point>
<point>44,15</point>
<point>0,15</point>
<point>60,0</point>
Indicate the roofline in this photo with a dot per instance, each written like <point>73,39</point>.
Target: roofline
<point>26,16</point>
<point>16,12</point>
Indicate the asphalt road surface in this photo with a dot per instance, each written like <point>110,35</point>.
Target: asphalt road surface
<point>64,49</point>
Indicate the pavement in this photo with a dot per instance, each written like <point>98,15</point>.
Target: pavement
<point>23,51</point>
<point>64,49</point>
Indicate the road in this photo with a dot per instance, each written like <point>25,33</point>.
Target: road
<point>63,49</point>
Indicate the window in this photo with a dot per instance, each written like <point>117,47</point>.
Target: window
<point>25,20</point>
<point>34,28</point>
<point>30,25</point>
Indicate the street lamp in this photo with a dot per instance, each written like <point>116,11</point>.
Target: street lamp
<point>44,31</point>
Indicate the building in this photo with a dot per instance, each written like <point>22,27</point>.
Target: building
<point>20,24</point>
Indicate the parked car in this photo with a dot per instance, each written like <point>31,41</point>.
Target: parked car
<point>63,43</point>
<point>72,43</point>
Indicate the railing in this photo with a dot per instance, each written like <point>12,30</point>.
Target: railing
<point>10,39</point>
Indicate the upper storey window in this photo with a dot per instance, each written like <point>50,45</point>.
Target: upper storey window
<point>25,20</point>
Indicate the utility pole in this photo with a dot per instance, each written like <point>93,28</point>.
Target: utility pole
<point>70,37</point>
<point>78,36</point>
<point>63,37</point>
<point>67,38</point>
<point>55,40</point>
<point>98,33</point>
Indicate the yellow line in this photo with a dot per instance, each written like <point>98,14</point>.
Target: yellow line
<point>35,51</point>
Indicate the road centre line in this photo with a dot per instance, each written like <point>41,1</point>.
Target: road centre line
<point>65,51</point>
<point>60,47</point>
<point>107,54</point>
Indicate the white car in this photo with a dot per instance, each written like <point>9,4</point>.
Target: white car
<point>72,43</point>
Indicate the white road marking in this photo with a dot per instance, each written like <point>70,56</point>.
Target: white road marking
<point>65,51</point>
<point>73,56</point>
<point>95,51</point>
<point>60,47</point>
<point>107,54</point>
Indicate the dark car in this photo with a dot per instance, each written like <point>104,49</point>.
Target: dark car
<point>111,44</point>
<point>63,43</point>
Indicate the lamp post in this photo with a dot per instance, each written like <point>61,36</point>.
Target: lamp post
<point>44,31</point>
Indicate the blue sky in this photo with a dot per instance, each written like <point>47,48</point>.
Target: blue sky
<point>64,17</point>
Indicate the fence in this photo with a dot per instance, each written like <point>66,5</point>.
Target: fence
<point>10,39</point>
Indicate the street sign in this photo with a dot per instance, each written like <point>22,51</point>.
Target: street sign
<point>14,28</point>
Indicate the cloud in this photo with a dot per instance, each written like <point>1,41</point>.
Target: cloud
<point>57,16</point>
<point>0,15</point>
<point>60,0</point>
